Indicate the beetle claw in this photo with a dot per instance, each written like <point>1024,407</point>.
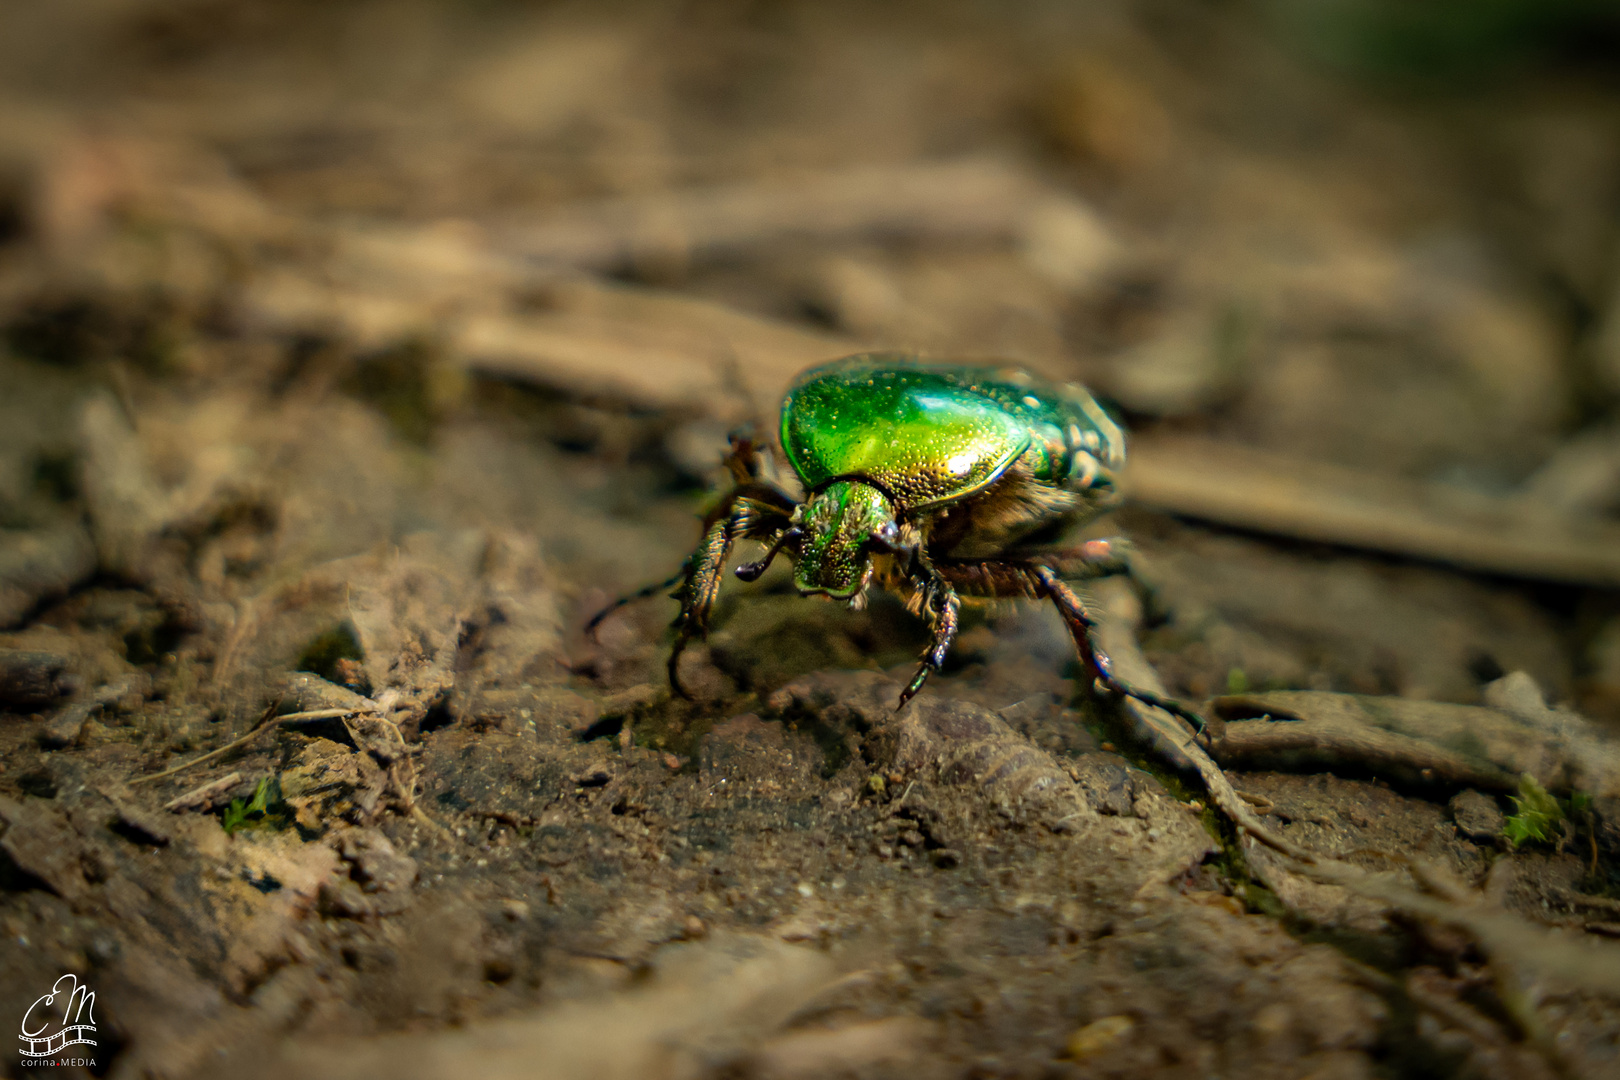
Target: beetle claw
<point>680,690</point>
<point>915,685</point>
<point>1169,705</point>
<point>672,667</point>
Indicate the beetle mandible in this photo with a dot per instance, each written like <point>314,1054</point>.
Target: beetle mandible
<point>934,482</point>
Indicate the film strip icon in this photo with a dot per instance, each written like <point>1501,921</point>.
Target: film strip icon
<point>53,1045</point>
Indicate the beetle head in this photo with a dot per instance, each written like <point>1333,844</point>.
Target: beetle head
<point>840,526</point>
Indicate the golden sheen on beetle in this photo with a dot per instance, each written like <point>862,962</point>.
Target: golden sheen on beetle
<point>936,482</point>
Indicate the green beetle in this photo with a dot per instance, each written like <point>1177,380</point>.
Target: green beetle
<point>934,482</point>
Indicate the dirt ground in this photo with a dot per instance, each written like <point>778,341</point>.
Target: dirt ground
<point>355,355</point>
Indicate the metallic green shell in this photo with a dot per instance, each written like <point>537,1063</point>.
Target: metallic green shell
<point>933,435</point>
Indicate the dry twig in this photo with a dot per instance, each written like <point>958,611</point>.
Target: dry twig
<point>197,796</point>
<point>1428,742</point>
<point>971,199</point>
<point>1253,489</point>
<point>1172,740</point>
<point>258,729</point>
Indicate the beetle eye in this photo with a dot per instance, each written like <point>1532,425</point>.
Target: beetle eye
<point>884,538</point>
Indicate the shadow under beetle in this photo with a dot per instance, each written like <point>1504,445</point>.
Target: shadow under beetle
<point>934,482</point>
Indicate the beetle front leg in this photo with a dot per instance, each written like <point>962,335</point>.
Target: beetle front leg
<point>944,610</point>
<point>697,593</point>
<point>1083,628</point>
<point>630,598</point>
<point>753,512</point>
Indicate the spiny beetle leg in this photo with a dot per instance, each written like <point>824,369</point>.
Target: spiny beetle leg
<point>1109,557</point>
<point>699,571</point>
<point>753,510</point>
<point>697,593</point>
<point>948,582</point>
<point>749,512</point>
<point>945,607</point>
<point>1083,628</point>
<point>1093,559</point>
<point>630,598</point>
<point>743,458</point>
<point>999,578</point>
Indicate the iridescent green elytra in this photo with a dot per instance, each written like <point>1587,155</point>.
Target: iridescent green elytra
<point>936,482</point>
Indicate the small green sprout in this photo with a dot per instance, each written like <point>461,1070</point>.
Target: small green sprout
<point>233,817</point>
<point>1535,814</point>
<point>237,813</point>
<point>1237,681</point>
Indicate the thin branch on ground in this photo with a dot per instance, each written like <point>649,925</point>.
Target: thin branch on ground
<point>258,729</point>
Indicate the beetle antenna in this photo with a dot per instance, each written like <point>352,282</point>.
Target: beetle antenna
<point>752,571</point>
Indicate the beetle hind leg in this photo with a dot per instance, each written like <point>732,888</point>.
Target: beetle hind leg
<point>1083,628</point>
<point>1009,579</point>
<point>1090,560</point>
<point>1112,556</point>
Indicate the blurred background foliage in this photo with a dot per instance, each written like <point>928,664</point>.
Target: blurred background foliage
<point>1451,45</point>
